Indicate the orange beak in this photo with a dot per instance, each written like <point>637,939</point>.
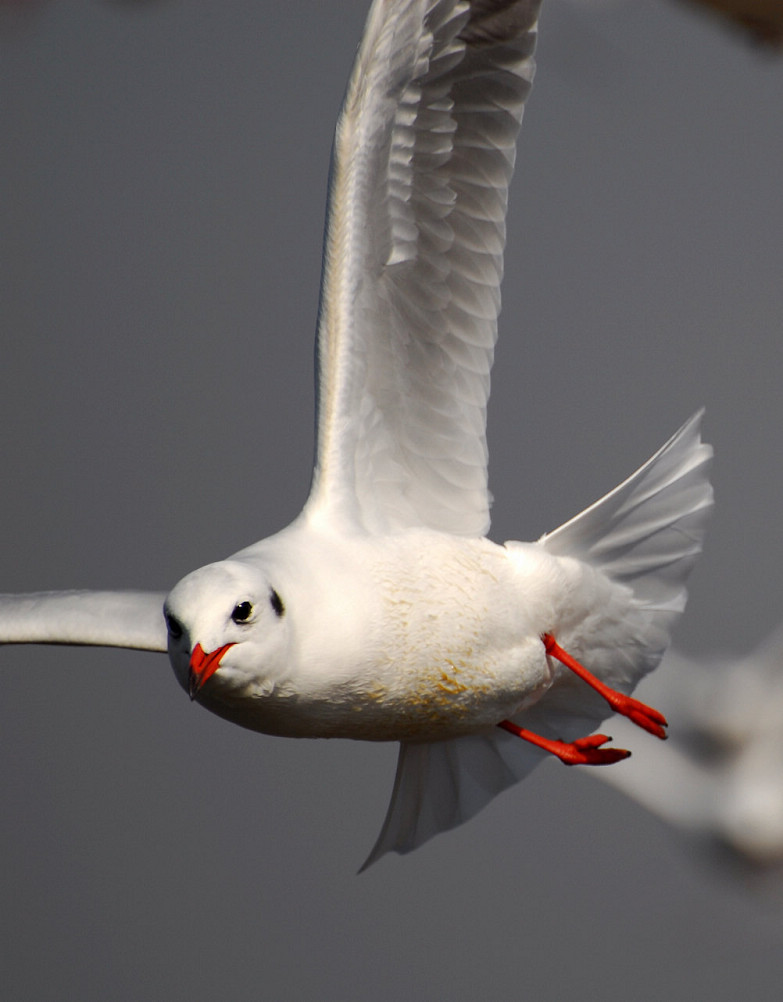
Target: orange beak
<point>203,666</point>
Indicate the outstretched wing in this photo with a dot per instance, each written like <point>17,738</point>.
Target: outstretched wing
<point>423,155</point>
<point>97,618</point>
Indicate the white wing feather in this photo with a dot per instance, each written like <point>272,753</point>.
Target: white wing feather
<point>645,534</point>
<point>423,155</point>
<point>131,619</point>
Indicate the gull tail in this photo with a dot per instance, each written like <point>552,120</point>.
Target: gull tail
<point>648,532</point>
<point>644,535</point>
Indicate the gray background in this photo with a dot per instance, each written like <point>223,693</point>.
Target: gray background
<point>163,213</point>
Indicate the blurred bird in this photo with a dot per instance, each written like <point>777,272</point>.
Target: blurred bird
<point>719,779</point>
<point>761,20</point>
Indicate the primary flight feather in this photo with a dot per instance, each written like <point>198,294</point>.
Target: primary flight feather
<point>383,612</point>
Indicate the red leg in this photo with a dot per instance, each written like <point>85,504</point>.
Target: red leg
<point>645,716</point>
<point>585,751</point>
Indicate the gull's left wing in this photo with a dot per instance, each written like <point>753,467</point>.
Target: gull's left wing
<point>423,156</point>
<point>131,619</point>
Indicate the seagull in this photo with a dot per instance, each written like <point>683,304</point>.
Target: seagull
<point>383,612</point>
<point>719,780</point>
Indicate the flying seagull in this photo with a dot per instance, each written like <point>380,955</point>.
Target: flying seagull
<point>719,780</point>
<point>383,612</point>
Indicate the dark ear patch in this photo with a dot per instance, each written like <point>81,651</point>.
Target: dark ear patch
<point>276,602</point>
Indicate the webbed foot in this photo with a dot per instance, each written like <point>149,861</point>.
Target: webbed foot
<point>583,751</point>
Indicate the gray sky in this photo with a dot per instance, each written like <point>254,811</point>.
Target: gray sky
<point>164,212</point>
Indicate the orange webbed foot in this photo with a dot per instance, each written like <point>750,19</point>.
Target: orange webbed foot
<point>583,751</point>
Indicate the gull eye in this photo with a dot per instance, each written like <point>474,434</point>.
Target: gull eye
<point>175,627</point>
<point>242,612</point>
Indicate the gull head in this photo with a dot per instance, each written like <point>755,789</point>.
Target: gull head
<point>228,632</point>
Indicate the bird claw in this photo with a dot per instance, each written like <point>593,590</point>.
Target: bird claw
<point>583,751</point>
<point>588,751</point>
<point>639,713</point>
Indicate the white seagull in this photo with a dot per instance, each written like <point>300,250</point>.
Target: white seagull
<point>383,612</point>
<point>719,780</point>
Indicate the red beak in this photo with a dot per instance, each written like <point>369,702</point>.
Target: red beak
<point>203,666</point>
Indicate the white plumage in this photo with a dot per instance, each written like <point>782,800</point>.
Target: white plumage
<point>382,612</point>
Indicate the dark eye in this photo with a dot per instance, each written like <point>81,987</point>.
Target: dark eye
<point>242,612</point>
<point>175,627</point>
<point>276,602</point>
